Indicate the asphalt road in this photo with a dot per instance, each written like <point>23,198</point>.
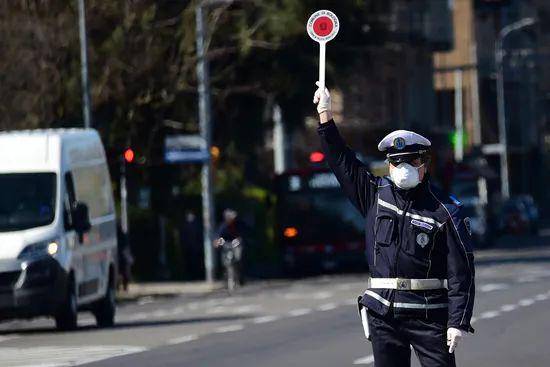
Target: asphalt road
<point>310,322</point>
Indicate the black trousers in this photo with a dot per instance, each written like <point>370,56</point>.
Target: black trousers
<point>392,337</point>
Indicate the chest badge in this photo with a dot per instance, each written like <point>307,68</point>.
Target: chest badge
<point>422,239</point>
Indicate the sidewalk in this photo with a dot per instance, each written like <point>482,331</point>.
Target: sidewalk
<point>167,289</point>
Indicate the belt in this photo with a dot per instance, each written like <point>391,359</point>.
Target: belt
<point>407,284</point>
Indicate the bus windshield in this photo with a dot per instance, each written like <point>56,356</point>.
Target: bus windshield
<point>321,215</point>
<point>27,200</point>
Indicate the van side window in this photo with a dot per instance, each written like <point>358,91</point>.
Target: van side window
<point>69,200</point>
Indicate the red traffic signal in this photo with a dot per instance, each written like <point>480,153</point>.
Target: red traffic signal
<point>129,155</point>
<point>316,157</point>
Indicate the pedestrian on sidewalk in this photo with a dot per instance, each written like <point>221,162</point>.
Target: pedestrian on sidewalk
<point>420,292</point>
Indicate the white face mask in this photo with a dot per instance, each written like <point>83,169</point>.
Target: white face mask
<point>405,176</point>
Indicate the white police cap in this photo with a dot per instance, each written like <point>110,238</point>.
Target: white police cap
<point>403,141</point>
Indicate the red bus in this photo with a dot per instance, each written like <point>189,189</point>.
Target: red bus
<point>317,227</point>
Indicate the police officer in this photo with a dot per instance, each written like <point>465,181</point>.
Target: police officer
<point>420,292</point>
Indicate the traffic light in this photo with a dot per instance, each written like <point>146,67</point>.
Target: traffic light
<point>454,138</point>
<point>214,152</point>
<point>316,157</point>
<point>129,155</point>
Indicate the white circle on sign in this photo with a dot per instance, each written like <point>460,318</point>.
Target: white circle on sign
<point>323,25</point>
<point>422,239</point>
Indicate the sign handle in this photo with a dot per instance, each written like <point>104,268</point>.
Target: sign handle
<point>322,56</point>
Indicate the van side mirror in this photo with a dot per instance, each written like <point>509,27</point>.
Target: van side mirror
<point>81,218</point>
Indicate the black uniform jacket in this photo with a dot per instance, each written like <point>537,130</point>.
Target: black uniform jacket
<point>414,234</point>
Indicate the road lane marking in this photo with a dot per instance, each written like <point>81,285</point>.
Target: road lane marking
<point>6,338</point>
<point>508,308</point>
<point>160,313</point>
<point>511,307</point>
<point>178,310</point>
<point>60,356</point>
<point>526,302</point>
<point>145,300</point>
<point>229,328</point>
<point>327,307</point>
<point>217,310</point>
<point>295,296</point>
<point>493,287</point>
<point>489,314</point>
<point>321,295</point>
<point>183,339</point>
<point>300,312</point>
<point>245,309</point>
<point>265,319</point>
<point>365,360</point>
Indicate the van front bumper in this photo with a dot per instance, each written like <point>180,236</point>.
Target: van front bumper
<point>36,289</point>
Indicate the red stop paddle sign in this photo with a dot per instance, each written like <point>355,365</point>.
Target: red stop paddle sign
<point>323,26</point>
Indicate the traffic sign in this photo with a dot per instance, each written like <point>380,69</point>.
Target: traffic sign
<point>185,149</point>
<point>322,26</point>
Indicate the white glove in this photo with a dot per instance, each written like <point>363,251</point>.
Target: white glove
<point>453,337</point>
<point>322,100</point>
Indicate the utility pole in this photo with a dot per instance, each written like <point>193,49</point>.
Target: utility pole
<point>459,123</point>
<point>476,119</point>
<point>123,199</point>
<point>84,64</point>
<point>279,141</point>
<point>499,57</point>
<point>206,134</point>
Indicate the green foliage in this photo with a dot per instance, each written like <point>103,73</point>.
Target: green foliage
<point>142,65</point>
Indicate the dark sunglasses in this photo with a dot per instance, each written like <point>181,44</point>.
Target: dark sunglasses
<point>407,158</point>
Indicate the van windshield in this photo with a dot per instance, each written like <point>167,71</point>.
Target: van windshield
<point>27,200</point>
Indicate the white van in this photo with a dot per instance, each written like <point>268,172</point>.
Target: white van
<point>58,237</point>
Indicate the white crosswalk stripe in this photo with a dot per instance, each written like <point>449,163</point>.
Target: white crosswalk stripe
<point>60,356</point>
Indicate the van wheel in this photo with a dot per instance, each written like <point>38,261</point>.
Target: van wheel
<point>67,314</point>
<point>104,310</point>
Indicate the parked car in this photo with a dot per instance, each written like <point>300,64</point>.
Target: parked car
<point>518,216</point>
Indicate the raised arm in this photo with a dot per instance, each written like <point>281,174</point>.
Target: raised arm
<point>356,181</point>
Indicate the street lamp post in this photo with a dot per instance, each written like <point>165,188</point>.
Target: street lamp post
<point>84,64</point>
<point>501,103</point>
<point>205,124</point>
